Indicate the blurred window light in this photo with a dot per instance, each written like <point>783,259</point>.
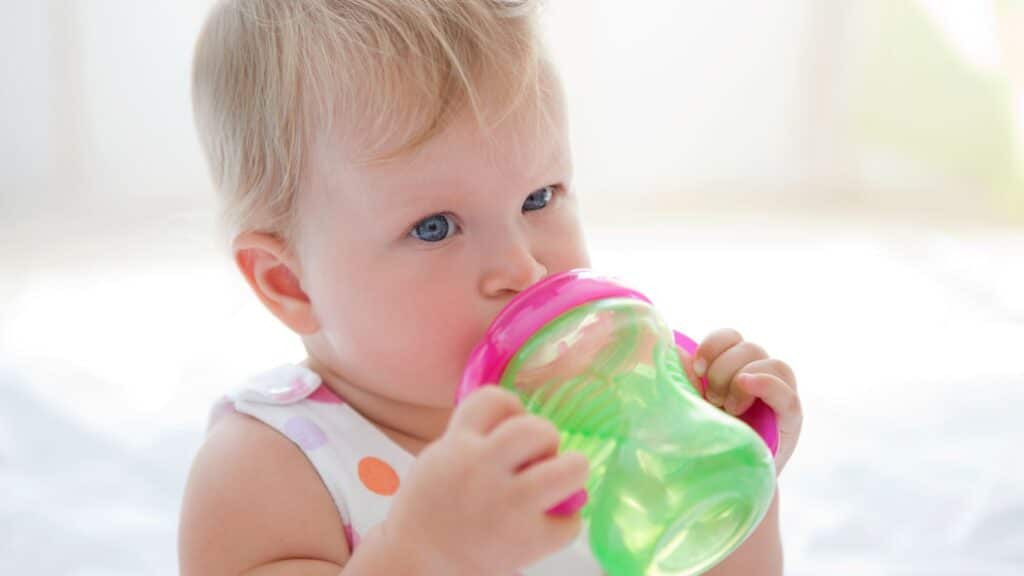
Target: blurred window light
<point>970,28</point>
<point>933,110</point>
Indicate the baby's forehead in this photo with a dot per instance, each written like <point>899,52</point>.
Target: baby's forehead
<point>463,161</point>
<point>522,141</point>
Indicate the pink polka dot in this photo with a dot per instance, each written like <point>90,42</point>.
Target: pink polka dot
<point>352,537</point>
<point>325,395</point>
<point>305,433</point>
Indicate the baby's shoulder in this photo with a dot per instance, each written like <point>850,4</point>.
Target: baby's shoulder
<point>253,498</point>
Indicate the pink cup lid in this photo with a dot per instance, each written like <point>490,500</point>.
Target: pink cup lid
<point>548,299</point>
<point>528,312</point>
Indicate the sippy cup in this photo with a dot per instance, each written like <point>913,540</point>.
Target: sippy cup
<point>675,484</point>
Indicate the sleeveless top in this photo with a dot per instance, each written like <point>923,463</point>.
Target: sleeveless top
<point>359,465</point>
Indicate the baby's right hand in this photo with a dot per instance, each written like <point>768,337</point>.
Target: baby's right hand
<point>476,500</point>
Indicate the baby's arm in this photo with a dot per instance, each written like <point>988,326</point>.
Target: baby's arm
<point>473,503</point>
<point>760,554</point>
<point>255,505</point>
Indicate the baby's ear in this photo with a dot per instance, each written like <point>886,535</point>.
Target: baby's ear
<point>272,272</point>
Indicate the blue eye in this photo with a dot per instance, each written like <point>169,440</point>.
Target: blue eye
<point>538,199</point>
<point>433,228</point>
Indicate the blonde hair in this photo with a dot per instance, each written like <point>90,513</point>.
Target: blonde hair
<point>269,76</point>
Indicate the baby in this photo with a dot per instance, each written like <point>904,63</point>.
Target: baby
<point>393,173</point>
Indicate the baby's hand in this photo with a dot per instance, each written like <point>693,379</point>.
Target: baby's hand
<point>738,371</point>
<point>475,501</point>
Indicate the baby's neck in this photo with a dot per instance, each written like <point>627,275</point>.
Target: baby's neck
<point>411,444</point>
<point>410,426</point>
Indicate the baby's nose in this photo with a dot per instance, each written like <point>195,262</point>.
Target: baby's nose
<point>510,271</point>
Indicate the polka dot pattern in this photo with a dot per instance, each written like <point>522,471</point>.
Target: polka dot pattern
<point>358,465</point>
<point>378,476</point>
<point>305,433</point>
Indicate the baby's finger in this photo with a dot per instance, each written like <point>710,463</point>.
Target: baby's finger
<point>776,394</point>
<point>560,530</point>
<point>739,400</point>
<point>784,400</point>
<point>775,367</point>
<point>717,342</point>
<point>524,440</point>
<point>551,481</point>
<point>485,408</point>
<point>722,371</point>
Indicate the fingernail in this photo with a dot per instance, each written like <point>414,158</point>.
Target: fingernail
<point>699,366</point>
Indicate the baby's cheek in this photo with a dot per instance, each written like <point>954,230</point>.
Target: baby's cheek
<point>430,365</point>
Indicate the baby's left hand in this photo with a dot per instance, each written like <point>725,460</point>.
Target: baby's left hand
<point>737,372</point>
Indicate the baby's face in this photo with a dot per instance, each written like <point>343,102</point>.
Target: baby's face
<point>407,262</point>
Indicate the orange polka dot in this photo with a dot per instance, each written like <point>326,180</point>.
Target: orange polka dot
<point>378,476</point>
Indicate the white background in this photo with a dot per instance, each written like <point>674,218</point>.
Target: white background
<point>720,126</point>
